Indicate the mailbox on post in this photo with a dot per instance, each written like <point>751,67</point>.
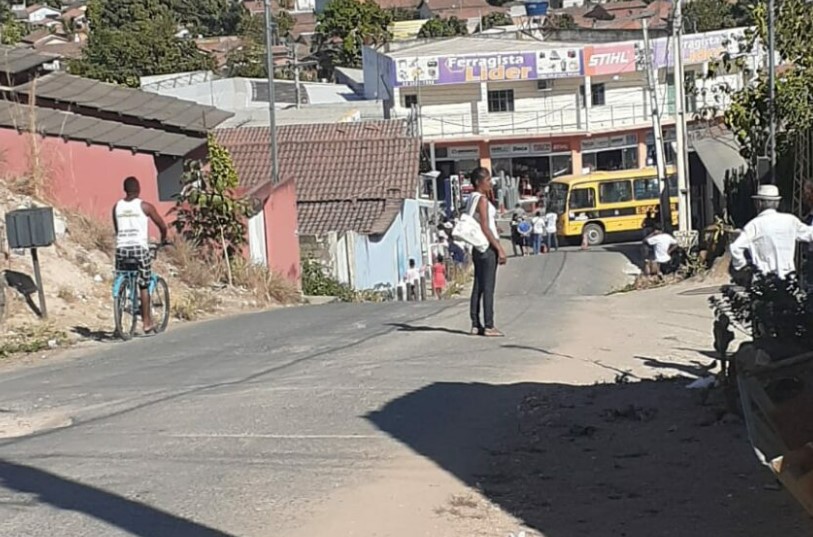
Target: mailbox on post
<point>32,228</point>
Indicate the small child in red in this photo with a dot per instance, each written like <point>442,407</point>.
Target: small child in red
<point>439,277</point>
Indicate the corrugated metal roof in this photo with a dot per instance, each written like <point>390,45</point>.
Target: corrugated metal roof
<point>97,131</point>
<point>87,93</point>
<point>15,60</point>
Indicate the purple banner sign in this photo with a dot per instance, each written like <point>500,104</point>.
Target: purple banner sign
<point>697,48</point>
<point>487,68</point>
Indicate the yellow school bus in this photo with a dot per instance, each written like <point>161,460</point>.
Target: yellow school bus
<point>608,202</point>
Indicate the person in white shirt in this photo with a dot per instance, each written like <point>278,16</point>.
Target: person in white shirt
<point>551,220</point>
<point>413,281</point>
<point>662,245</point>
<point>539,231</point>
<point>770,238</point>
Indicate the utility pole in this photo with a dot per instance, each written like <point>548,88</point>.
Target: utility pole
<point>656,127</point>
<point>269,63</point>
<point>684,202</point>
<point>772,88</point>
<point>297,85</point>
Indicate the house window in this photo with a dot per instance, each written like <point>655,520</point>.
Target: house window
<point>597,97</point>
<point>410,101</point>
<point>501,101</point>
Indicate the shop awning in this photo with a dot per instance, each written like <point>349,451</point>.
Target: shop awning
<point>720,155</point>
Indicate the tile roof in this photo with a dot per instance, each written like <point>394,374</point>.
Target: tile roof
<point>125,102</point>
<point>97,131</point>
<point>621,15</point>
<point>15,60</point>
<point>349,176</point>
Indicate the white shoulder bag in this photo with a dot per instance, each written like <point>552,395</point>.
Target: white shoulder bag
<point>468,229</point>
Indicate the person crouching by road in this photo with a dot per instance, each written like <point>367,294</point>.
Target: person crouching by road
<point>485,263</point>
<point>769,239</point>
<point>662,245</point>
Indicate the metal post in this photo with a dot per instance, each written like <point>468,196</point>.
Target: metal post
<point>656,127</point>
<point>269,63</point>
<point>297,85</point>
<point>35,258</point>
<point>684,204</point>
<point>772,89</point>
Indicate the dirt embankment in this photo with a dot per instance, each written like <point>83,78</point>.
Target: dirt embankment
<point>78,271</point>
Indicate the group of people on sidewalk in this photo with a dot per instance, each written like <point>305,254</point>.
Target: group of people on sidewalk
<point>536,234</point>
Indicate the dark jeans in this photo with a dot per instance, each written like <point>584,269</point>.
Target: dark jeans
<point>552,240</point>
<point>485,280</point>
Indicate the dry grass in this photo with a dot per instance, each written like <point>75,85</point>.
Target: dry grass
<point>90,233</point>
<point>67,294</point>
<point>193,304</point>
<point>32,338</point>
<point>267,287</point>
<point>190,266</point>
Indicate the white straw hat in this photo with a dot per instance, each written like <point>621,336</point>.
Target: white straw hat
<point>767,192</point>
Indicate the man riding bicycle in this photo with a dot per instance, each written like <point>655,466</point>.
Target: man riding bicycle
<point>131,217</point>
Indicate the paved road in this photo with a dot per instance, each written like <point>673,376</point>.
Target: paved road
<point>243,426</point>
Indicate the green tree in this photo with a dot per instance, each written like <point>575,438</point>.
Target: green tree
<point>131,39</point>
<point>208,17</point>
<point>345,26</point>
<point>11,31</point>
<point>496,18</point>
<point>210,213</point>
<point>710,15</point>
<point>748,113</point>
<point>562,21</point>
<point>403,14</point>
<point>285,23</point>
<point>438,27</point>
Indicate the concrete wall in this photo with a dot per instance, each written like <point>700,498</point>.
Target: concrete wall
<point>377,75</point>
<point>281,235</point>
<point>78,176</point>
<point>591,35</point>
<point>384,259</point>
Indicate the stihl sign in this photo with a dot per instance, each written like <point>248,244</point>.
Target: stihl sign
<point>609,59</point>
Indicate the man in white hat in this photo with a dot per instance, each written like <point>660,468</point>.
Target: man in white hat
<point>770,238</point>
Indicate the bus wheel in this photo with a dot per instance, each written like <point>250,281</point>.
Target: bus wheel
<point>595,234</point>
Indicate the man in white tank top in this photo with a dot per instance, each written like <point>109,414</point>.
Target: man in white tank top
<point>131,220</point>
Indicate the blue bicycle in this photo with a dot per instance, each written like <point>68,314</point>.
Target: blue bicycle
<point>127,299</point>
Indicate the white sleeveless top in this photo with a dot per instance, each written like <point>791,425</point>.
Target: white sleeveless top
<point>492,213</point>
<point>133,224</point>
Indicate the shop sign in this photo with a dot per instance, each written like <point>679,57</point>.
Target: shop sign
<point>697,48</point>
<point>668,136</point>
<point>464,152</point>
<point>520,149</point>
<point>559,63</point>
<point>561,146</point>
<point>421,71</point>
<point>541,148</point>
<point>500,150</point>
<point>594,144</point>
<point>609,59</point>
<point>486,68</point>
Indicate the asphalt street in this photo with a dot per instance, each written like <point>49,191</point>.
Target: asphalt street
<point>243,426</point>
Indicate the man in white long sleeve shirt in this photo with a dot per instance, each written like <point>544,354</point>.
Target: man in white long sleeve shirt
<point>770,238</point>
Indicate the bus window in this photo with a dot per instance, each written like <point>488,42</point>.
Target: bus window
<point>647,189</point>
<point>673,185</point>
<point>557,195</point>
<point>582,198</point>
<point>615,191</point>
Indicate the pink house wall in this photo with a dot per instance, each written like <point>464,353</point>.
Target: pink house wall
<point>281,236</point>
<point>79,176</point>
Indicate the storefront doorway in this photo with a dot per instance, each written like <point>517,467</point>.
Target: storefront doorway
<point>538,162</point>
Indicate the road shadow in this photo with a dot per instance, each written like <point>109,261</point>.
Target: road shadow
<point>404,327</point>
<point>96,335</point>
<point>632,459</point>
<point>632,251</point>
<point>695,368</point>
<point>133,517</point>
<point>25,286</point>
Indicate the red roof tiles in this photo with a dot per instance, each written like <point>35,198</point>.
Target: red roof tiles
<point>621,15</point>
<point>349,176</point>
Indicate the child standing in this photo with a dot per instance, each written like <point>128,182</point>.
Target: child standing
<point>439,277</point>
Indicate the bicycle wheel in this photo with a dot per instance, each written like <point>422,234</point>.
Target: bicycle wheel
<point>159,304</point>
<point>124,309</point>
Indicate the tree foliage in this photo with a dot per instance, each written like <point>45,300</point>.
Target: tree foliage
<point>496,18</point>
<point>748,114</point>
<point>403,14</point>
<point>209,211</point>
<point>345,26</point>
<point>710,15</point>
<point>438,27</point>
<point>131,39</point>
<point>250,59</point>
<point>561,21</point>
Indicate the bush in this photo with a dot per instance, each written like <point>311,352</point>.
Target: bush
<point>316,282</point>
<point>267,286</point>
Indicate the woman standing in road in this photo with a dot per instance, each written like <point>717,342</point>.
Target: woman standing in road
<point>485,263</point>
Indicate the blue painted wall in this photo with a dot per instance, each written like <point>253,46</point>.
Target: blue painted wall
<point>385,259</point>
